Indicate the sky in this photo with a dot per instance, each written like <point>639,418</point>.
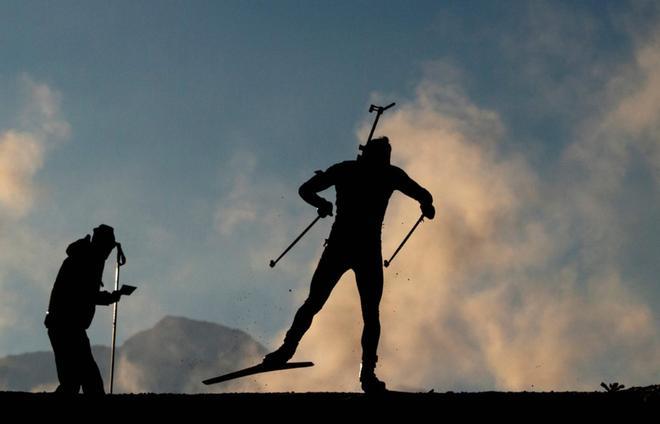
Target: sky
<point>189,126</point>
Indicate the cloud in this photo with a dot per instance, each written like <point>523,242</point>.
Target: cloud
<point>241,203</point>
<point>517,283</point>
<point>21,156</point>
<point>23,151</point>
<point>635,118</point>
<point>41,114</point>
<point>257,207</point>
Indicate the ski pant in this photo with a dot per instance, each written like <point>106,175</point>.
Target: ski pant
<point>336,259</point>
<point>75,364</point>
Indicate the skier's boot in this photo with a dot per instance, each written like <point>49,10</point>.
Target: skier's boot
<point>281,355</point>
<point>370,383</point>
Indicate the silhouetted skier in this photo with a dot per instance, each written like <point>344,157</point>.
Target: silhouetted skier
<point>73,300</point>
<point>363,188</point>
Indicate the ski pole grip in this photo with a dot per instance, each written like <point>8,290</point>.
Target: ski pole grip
<point>380,109</point>
<point>121,258</point>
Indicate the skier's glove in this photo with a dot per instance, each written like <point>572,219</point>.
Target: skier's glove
<point>325,209</point>
<point>428,210</point>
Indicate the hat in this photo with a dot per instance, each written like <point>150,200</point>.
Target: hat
<point>104,233</point>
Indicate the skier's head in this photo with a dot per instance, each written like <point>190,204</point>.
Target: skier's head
<point>103,240</point>
<point>377,151</point>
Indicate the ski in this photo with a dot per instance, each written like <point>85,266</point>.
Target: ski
<point>256,369</point>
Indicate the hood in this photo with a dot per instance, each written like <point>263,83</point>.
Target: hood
<point>79,247</point>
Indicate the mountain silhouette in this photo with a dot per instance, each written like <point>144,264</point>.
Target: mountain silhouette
<point>172,357</point>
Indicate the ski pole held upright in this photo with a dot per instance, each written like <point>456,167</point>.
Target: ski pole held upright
<point>121,260</point>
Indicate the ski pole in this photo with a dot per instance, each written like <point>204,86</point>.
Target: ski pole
<point>379,111</point>
<point>121,260</point>
<point>274,262</point>
<point>388,262</point>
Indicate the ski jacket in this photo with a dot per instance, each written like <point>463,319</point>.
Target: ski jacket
<point>77,288</point>
<point>363,192</point>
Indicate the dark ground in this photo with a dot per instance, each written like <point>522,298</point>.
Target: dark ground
<point>312,407</point>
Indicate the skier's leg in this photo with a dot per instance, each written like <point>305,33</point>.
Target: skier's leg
<point>369,278</point>
<point>331,267</point>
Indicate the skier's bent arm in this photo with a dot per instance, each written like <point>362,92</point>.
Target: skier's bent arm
<point>308,191</point>
<point>410,188</point>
